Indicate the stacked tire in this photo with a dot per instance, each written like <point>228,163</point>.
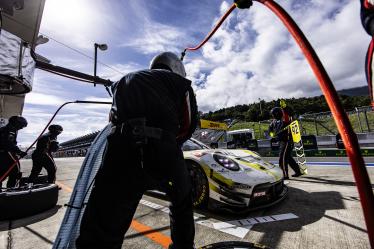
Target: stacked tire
<point>24,202</point>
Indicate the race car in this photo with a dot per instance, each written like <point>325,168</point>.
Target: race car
<point>232,179</point>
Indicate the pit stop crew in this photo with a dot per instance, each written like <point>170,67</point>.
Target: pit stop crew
<point>367,19</point>
<point>280,131</point>
<point>42,155</point>
<point>9,150</point>
<point>153,113</point>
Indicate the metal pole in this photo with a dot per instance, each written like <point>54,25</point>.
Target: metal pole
<point>302,131</point>
<point>260,105</point>
<point>367,121</point>
<point>315,125</point>
<point>359,119</point>
<point>259,129</point>
<point>20,59</point>
<point>95,63</point>
<point>341,119</point>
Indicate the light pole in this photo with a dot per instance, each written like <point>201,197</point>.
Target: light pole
<point>260,105</point>
<point>102,47</point>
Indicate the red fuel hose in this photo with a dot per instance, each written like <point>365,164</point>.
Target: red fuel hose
<point>212,32</point>
<point>341,119</point>
<point>45,128</point>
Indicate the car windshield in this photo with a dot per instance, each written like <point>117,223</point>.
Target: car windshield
<point>193,145</point>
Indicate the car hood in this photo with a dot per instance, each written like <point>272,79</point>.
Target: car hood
<point>253,167</point>
<point>245,156</point>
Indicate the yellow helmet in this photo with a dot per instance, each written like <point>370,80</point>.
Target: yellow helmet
<point>282,103</point>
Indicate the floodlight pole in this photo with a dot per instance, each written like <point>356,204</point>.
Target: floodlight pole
<point>95,63</point>
<point>102,47</point>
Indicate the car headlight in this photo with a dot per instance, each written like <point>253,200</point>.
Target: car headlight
<point>226,162</point>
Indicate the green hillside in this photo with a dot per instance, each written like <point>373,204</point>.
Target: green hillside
<point>259,111</point>
<point>254,115</point>
<point>309,127</point>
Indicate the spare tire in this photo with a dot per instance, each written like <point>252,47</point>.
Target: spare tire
<point>41,179</point>
<point>23,202</point>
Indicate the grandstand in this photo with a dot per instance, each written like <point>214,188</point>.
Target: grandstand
<point>77,146</point>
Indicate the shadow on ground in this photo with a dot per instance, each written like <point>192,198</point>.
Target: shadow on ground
<point>309,207</point>
<point>8,225</point>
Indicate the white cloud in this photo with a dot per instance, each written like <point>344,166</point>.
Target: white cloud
<point>43,99</point>
<point>156,37</point>
<point>151,36</point>
<point>77,23</point>
<point>253,56</point>
<point>116,71</point>
<point>77,120</point>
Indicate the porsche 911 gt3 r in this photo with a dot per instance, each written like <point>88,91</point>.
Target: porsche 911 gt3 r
<point>237,179</point>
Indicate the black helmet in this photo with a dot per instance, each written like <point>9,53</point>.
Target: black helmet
<point>277,113</point>
<point>170,61</point>
<point>18,122</point>
<point>55,128</point>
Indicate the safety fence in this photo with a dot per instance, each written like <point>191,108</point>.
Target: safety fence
<point>318,124</point>
<point>361,118</point>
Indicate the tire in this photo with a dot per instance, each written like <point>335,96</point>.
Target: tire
<point>235,245</point>
<point>42,179</point>
<point>200,185</point>
<point>20,203</point>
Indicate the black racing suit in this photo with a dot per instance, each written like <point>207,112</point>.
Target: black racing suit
<point>285,147</point>
<point>8,156</point>
<point>42,157</point>
<point>367,19</point>
<point>164,99</point>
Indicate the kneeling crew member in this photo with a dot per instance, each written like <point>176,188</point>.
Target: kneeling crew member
<point>9,150</point>
<point>42,155</point>
<point>154,112</point>
<point>279,128</point>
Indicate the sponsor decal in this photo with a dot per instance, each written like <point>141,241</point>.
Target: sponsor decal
<point>201,198</point>
<point>213,165</point>
<point>206,124</point>
<point>242,186</point>
<point>295,130</point>
<point>222,170</point>
<point>259,194</point>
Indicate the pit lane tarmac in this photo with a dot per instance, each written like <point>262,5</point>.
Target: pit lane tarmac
<point>322,210</point>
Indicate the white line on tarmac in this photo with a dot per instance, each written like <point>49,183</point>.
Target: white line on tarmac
<point>237,228</point>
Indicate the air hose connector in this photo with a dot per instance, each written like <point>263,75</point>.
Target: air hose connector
<point>243,4</point>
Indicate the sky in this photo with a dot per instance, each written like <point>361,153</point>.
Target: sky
<point>251,57</point>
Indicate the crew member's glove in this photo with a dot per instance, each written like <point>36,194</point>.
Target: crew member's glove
<point>22,154</point>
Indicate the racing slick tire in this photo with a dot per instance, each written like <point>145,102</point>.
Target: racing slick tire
<point>23,202</point>
<point>200,185</point>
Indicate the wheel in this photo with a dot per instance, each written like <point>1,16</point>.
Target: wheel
<point>200,185</point>
<point>235,245</point>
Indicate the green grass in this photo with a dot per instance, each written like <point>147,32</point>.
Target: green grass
<point>309,127</point>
